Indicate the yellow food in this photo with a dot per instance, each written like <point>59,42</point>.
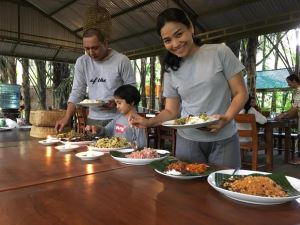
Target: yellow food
<point>114,142</point>
<point>256,185</point>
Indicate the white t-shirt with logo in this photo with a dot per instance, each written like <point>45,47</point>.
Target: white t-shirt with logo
<point>119,127</point>
<point>101,79</point>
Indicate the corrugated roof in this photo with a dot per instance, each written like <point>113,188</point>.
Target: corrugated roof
<point>57,24</point>
<point>271,79</point>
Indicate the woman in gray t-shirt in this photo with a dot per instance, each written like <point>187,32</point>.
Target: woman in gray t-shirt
<point>197,79</point>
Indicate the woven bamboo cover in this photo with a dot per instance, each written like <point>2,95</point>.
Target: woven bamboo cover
<point>44,118</point>
<point>99,18</point>
<point>42,132</point>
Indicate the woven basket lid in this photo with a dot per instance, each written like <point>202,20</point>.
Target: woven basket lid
<point>99,18</point>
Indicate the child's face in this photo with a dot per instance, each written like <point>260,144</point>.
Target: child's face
<point>122,106</point>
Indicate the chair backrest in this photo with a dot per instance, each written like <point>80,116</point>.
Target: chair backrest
<point>247,129</point>
<point>81,117</point>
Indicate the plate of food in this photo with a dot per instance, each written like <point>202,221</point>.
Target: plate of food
<point>50,141</point>
<point>25,127</point>
<point>191,121</point>
<point>174,168</point>
<point>110,144</point>
<point>89,155</point>
<point>76,138</point>
<point>91,102</point>
<point>255,187</point>
<point>140,157</point>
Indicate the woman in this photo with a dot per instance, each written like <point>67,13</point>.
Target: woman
<point>250,108</point>
<point>199,79</point>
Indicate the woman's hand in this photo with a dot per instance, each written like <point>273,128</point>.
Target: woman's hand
<point>138,121</point>
<point>218,125</point>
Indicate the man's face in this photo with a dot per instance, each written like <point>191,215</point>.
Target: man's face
<point>94,48</point>
<point>291,84</point>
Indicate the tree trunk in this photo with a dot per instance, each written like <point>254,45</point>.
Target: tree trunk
<point>277,40</point>
<point>26,88</point>
<point>3,70</point>
<point>162,72</point>
<point>143,83</point>
<point>152,83</point>
<point>297,53</point>
<point>41,82</point>
<point>12,70</point>
<point>251,64</point>
<point>61,71</point>
<point>264,53</point>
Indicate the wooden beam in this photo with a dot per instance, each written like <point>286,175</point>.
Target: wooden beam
<point>222,9</point>
<point>62,7</point>
<point>147,2</point>
<point>51,18</point>
<point>191,13</point>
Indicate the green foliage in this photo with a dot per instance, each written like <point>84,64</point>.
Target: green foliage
<point>283,100</point>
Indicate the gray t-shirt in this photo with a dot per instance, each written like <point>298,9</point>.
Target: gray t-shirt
<point>101,78</point>
<point>119,127</point>
<point>201,83</point>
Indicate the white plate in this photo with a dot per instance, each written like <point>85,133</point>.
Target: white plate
<point>252,198</point>
<point>93,148</point>
<point>78,142</point>
<point>5,128</point>
<point>49,142</point>
<point>131,161</point>
<point>62,148</point>
<point>86,104</point>
<point>181,177</point>
<point>171,123</point>
<point>25,127</point>
<point>84,156</point>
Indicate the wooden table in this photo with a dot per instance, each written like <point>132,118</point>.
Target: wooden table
<point>269,128</point>
<point>116,194</point>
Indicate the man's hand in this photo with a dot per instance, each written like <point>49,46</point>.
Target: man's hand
<point>93,129</point>
<point>60,124</point>
<point>111,104</point>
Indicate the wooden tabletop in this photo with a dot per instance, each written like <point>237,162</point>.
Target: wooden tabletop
<point>64,192</point>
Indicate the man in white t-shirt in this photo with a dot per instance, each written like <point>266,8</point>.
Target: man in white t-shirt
<point>293,82</point>
<point>101,70</point>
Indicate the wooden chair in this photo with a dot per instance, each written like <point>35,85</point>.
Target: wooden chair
<point>169,134</point>
<point>81,117</point>
<point>151,134</point>
<point>249,132</point>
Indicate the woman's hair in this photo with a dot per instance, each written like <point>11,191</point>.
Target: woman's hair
<point>247,106</point>
<point>129,93</point>
<point>173,15</point>
<point>293,77</point>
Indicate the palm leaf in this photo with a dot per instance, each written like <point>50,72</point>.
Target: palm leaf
<point>279,179</point>
<point>162,166</point>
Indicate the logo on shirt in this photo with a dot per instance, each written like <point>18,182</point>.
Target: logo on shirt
<point>120,129</point>
<point>97,79</point>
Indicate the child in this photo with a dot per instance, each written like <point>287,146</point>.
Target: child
<point>126,98</point>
